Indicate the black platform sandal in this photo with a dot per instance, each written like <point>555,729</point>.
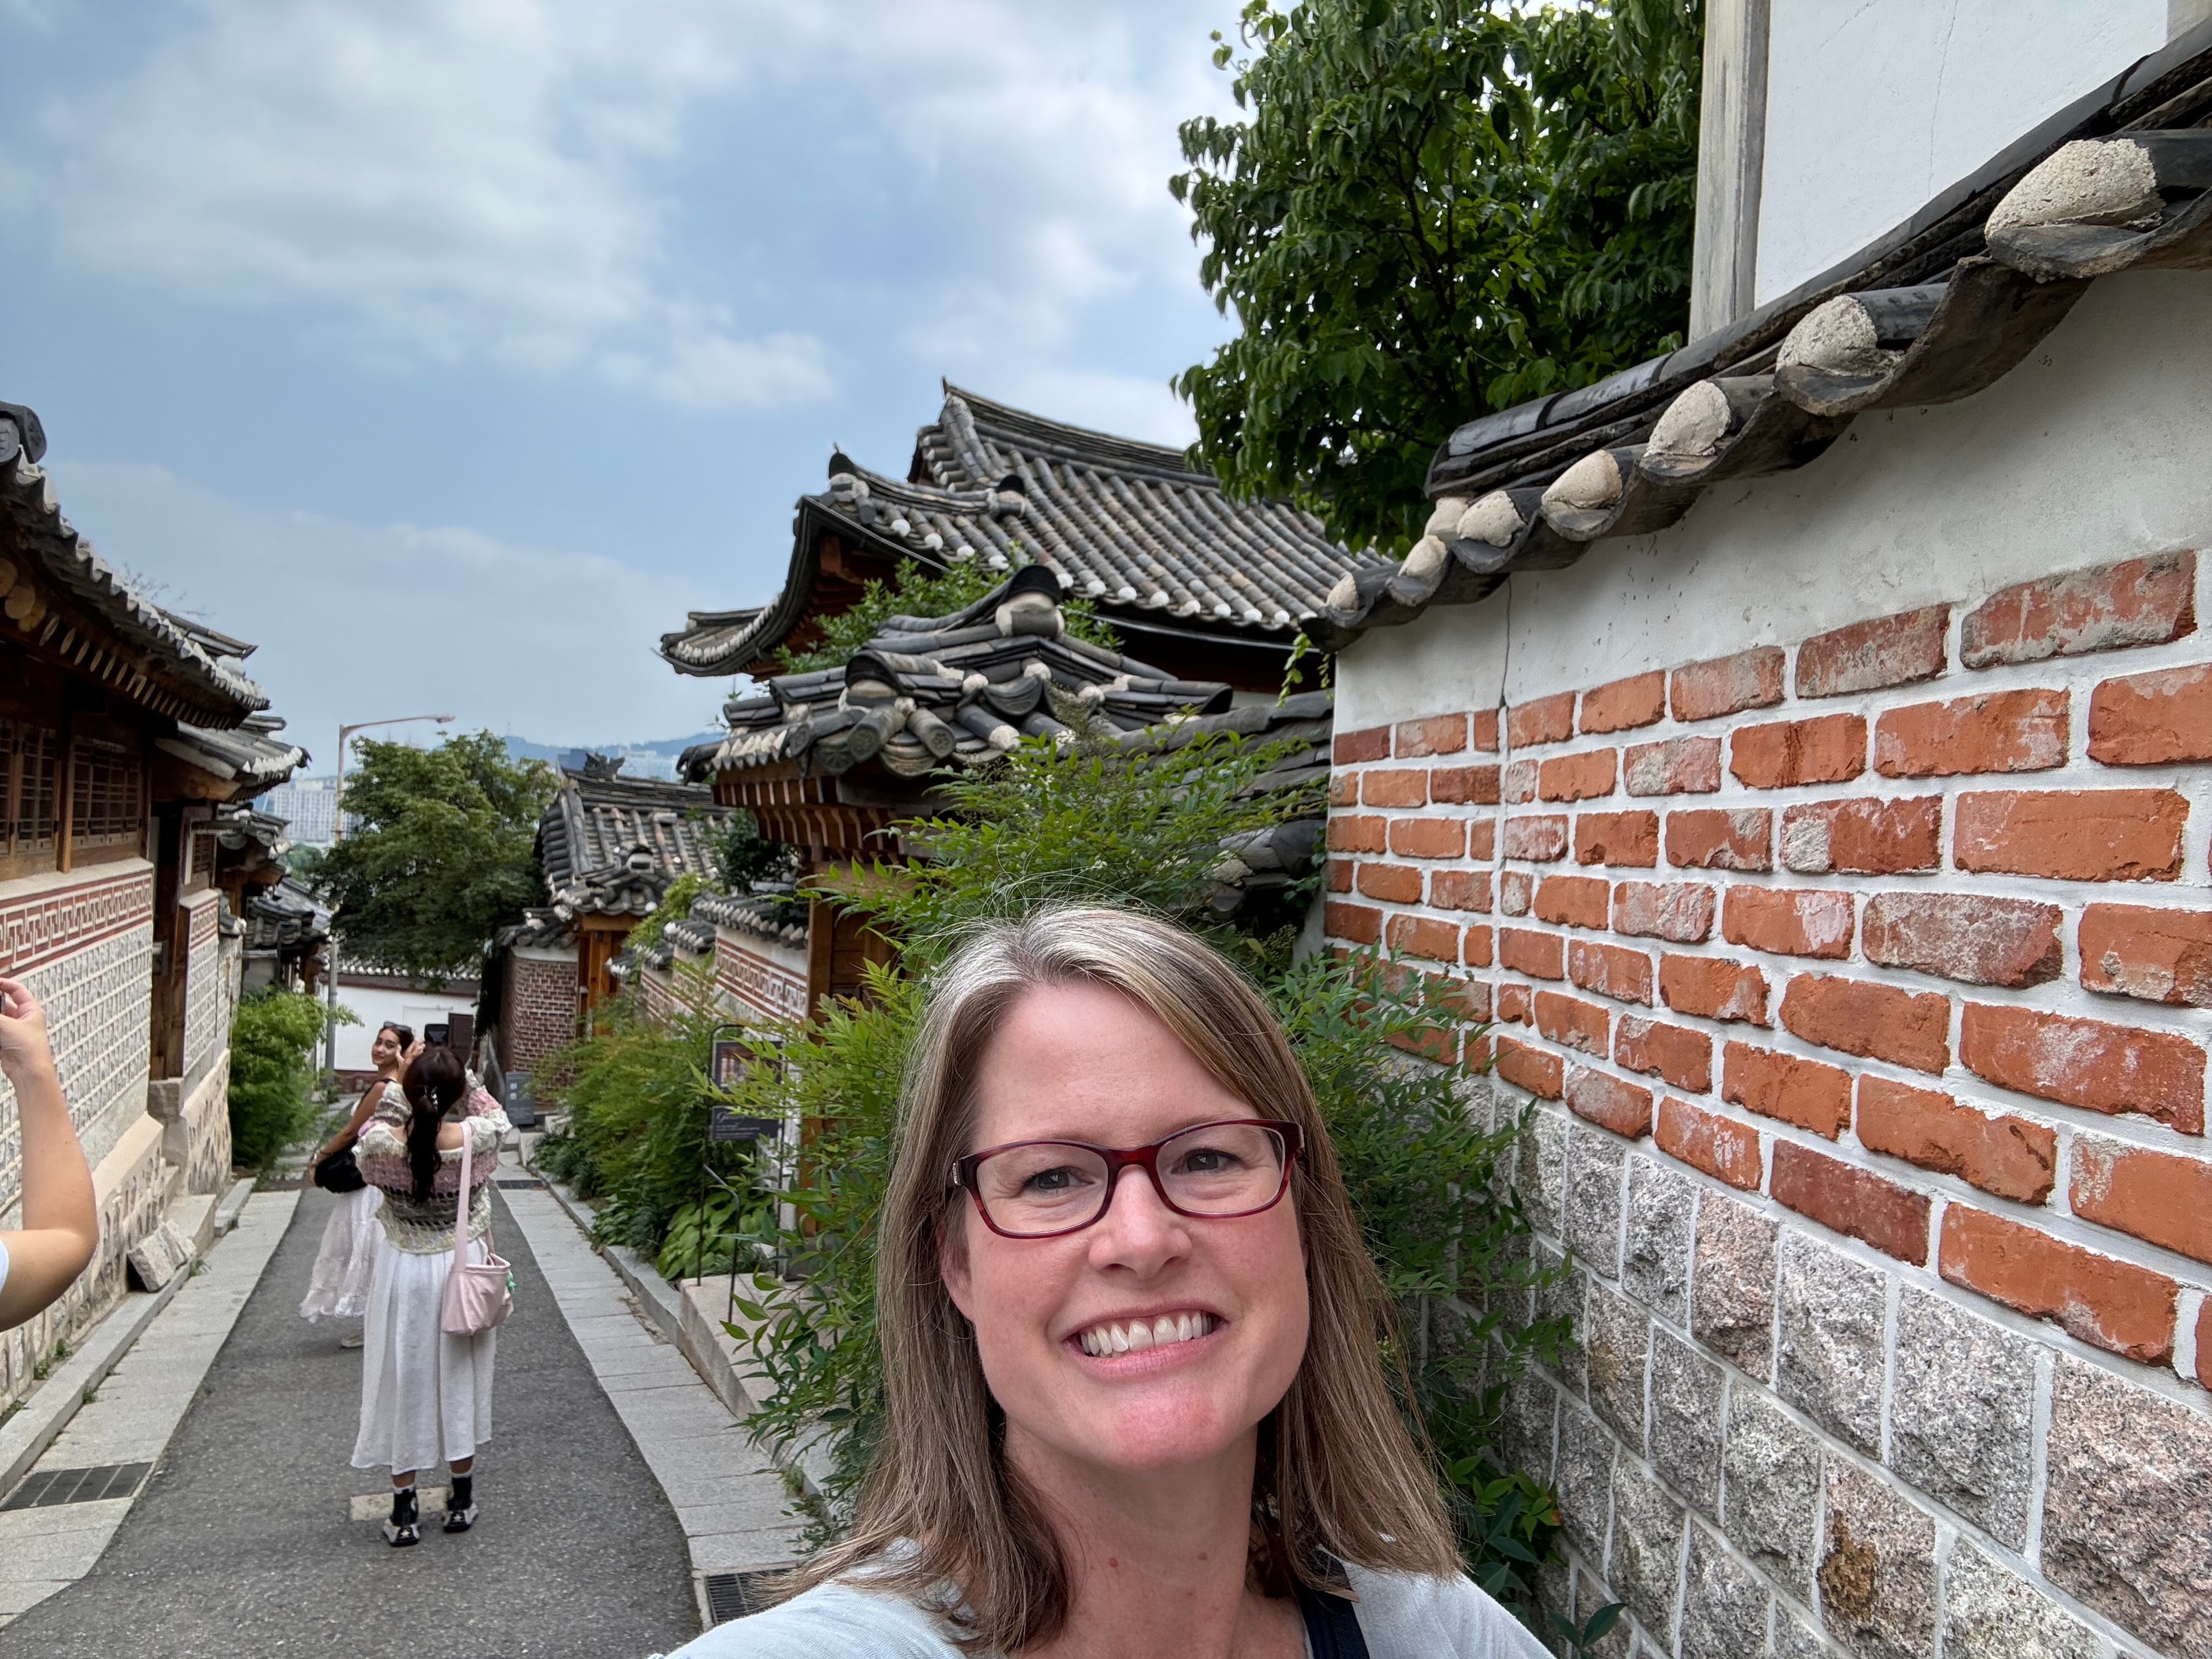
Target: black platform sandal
<point>403,1528</point>
<point>461,1504</point>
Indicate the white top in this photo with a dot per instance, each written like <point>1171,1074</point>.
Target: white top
<point>1401,1616</point>
<point>3,1264</point>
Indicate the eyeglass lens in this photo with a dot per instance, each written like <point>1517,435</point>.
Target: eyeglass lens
<point>1050,1186</point>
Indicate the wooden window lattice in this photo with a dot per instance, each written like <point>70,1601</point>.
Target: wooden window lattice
<point>33,759</point>
<point>105,798</point>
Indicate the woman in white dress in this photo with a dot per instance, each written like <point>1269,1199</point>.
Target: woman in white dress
<point>426,1395</point>
<point>338,1286</point>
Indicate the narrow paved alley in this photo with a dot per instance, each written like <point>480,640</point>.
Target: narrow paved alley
<point>248,1537</point>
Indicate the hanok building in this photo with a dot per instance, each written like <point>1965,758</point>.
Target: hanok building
<point>610,848</point>
<point>1206,590</point>
<point>834,761</point>
<point>287,930</point>
<point>129,740</point>
<point>1822,808</point>
<point>1206,587</point>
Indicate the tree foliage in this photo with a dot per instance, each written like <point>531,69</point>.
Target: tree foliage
<point>445,855</point>
<point>743,855</point>
<point>1430,210</point>
<point>914,590</point>
<point>269,1106</point>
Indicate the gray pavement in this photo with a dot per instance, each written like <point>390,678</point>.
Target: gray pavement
<point>242,1542</point>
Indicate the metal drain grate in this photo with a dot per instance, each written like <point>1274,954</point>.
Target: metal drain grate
<point>733,1595</point>
<point>48,1487</point>
<point>524,1182</point>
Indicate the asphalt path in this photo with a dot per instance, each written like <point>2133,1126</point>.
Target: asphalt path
<point>240,1543</point>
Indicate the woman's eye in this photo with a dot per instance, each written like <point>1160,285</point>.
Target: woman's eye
<point>1047,1182</point>
<point>1208,1160</point>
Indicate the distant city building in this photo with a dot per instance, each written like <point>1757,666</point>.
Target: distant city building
<point>306,804</point>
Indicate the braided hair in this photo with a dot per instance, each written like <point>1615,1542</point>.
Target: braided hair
<point>433,1081</point>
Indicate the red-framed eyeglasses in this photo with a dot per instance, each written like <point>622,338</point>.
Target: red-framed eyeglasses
<point>1212,1171</point>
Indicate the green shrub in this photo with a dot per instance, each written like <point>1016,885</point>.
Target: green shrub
<point>270,1105</point>
<point>637,1097</point>
<point>674,905</point>
<point>1090,823</point>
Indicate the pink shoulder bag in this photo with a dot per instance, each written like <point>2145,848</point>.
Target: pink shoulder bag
<point>478,1295</point>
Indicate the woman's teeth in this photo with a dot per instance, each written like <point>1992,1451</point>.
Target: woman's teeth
<point>1140,1334</point>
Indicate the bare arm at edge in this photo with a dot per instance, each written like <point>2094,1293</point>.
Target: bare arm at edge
<point>346,1137</point>
<point>61,1221</point>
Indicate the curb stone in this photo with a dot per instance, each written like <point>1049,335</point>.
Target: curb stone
<point>678,1316</point>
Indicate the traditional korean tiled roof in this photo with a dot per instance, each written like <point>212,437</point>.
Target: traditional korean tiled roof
<point>936,691</point>
<point>612,846</point>
<point>239,827</point>
<point>933,693</point>
<point>251,754</point>
<point>57,593</point>
<point>693,938</point>
<point>778,914</point>
<point>1936,311</point>
<point>1155,545</point>
<point>284,917</point>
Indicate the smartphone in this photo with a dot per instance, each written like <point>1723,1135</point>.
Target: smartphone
<point>437,1036</point>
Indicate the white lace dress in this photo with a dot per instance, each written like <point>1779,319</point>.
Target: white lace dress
<point>337,1288</point>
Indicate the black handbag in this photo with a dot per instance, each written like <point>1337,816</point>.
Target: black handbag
<point>339,1173</point>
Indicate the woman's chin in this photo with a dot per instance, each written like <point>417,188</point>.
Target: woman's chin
<point>1158,1437</point>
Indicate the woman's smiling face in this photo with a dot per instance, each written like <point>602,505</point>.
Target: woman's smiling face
<point>1083,1063</point>
<point>383,1051</point>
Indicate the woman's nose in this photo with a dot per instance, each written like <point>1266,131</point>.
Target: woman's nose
<point>1138,1230</point>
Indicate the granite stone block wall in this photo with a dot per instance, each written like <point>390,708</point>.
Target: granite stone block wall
<point>84,944</point>
<point>1858,986</point>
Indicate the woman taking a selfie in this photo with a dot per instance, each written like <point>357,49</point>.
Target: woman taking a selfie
<point>337,1288</point>
<point>426,1394</point>
<point>1135,1401</point>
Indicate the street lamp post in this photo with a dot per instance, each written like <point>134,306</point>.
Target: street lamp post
<point>337,834</point>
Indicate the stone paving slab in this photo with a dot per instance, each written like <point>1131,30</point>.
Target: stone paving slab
<point>135,1410</point>
<point>242,1541</point>
<point>730,1498</point>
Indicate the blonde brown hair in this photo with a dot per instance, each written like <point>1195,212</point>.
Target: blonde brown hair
<point>1339,1475</point>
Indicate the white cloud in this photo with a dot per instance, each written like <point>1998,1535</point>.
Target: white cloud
<point>1106,402</point>
<point>448,181</point>
<point>357,620</point>
<point>453,181</point>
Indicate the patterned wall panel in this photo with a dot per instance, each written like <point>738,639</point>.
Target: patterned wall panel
<point>205,1025</point>
<point>86,951</point>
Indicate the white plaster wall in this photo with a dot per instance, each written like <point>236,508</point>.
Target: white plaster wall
<point>2098,447</point>
<point>375,1004</point>
<point>1874,107</point>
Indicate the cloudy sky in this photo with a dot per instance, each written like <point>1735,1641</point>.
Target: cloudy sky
<point>453,349</point>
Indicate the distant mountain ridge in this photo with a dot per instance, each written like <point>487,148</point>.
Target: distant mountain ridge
<point>656,759</point>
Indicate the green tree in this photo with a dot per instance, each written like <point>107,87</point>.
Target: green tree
<point>1430,210</point>
<point>445,855</point>
<point>269,1041</point>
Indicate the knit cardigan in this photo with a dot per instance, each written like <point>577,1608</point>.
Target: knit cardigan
<point>422,1225</point>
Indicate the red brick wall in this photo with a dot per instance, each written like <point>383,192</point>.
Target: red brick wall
<point>1860,987</point>
<point>540,1011</point>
